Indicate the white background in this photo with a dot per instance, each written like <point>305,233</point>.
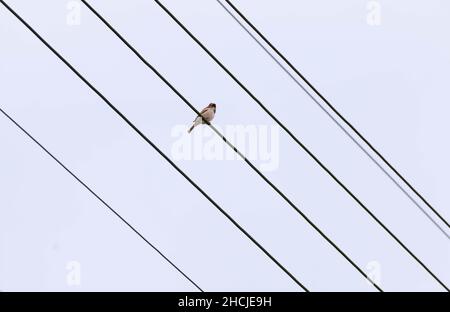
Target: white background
<point>390,81</point>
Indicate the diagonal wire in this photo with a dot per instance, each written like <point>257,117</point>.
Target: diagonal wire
<point>146,139</point>
<point>99,198</point>
<point>339,115</point>
<point>233,147</point>
<point>291,135</point>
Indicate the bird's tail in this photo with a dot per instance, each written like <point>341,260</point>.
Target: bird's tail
<point>197,122</point>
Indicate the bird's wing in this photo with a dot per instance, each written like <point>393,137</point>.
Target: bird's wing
<point>201,113</point>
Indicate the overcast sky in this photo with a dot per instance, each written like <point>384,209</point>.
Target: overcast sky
<point>390,80</point>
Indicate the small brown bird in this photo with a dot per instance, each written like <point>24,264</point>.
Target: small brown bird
<point>207,113</point>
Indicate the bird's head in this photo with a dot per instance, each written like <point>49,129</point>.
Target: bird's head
<point>212,105</point>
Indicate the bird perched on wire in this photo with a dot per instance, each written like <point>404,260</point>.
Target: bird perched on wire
<point>207,114</point>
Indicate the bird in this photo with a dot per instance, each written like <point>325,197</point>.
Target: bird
<point>207,114</point>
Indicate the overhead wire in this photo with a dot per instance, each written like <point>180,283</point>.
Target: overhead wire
<point>90,190</point>
<point>353,196</point>
<point>341,117</point>
<point>159,151</point>
<point>251,165</point>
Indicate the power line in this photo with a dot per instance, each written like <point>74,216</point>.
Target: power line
<point>293,137</point>
<point>99,198</point>
<point>339,115</point>
<point>232,146</point>
<point>153,145</point>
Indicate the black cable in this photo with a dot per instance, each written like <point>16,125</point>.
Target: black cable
<point>339,115</point>
<point>293,137</point>
<point>232,146</point>
<point>300,144</point>
<point>99,198</point>
<point>153,145</point>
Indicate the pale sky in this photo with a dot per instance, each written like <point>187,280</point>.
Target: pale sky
<point>389,80</point>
